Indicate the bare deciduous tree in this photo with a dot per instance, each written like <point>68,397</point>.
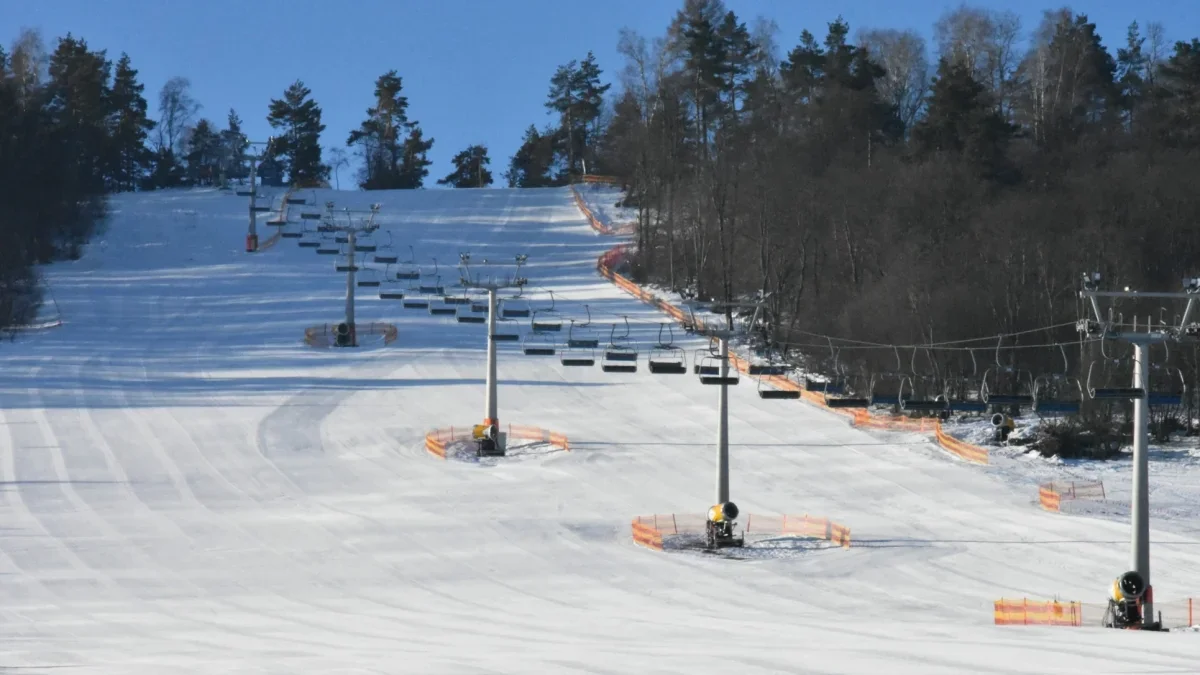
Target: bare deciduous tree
<point>176,109</point>
<point>337,160</point>
<point>902,55</point>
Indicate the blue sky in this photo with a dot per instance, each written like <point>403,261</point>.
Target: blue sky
<point>475,71</point>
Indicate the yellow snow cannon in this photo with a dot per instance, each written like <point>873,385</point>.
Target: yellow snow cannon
<point>719,528</point>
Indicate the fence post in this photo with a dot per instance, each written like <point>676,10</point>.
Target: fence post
<point>674,525</point>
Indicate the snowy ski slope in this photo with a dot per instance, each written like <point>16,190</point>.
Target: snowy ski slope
<point>186,488</point>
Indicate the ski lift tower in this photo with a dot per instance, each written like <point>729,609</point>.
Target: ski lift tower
<point>721,516</point>
<point>255,159</point>
<point>349,337</point>
<point>491,441</point>
<point>1188,330</point>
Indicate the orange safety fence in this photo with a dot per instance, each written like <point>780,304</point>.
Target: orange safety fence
<point>1051,495</point>
<point>804,526</point>
<point>1025,612</point>
<point>537,434</point>
<point>602,180</point>
<point>322,335</point>
<point>436,440</point>
<point>596,223</point>
<point>861,418</point>
<point>650,530</point>
<point>647,535</point>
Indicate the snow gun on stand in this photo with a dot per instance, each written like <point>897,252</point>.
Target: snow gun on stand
<point>722,518</point>
<point>1125,599</point>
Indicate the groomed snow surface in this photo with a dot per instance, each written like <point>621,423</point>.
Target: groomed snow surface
<point>186,488</point>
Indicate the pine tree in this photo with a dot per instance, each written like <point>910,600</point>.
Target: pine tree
<point>379,135</point>
<point>204,154</point>
<point>578,97</point>
<point>1180,88</point>
<point>414,165</point>
<point>962,120</point>
<point>233,148</point>
<point>470,169</point>
<point>129,127</point>
<point>300,145</point>
<point>534,161</point>
<point>1131,74</point>
<point>79,109</point>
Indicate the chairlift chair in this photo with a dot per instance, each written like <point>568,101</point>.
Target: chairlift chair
<point>343,266</point>
<point>771,393</point>
<point>544,325</point>
<point>387,258</point>
<point>666,358</point>
<point>459,299</point>
<point>323,248</point>
<point>1168,399</point>
<point>584,340</point>
<point>434,287</point>
<point>577,357</point>
<point>370,279</point>
<point>414,302</point>
<point>511,308</point>
<point>991,397</point>
<point>964,404</point>
<point>539,345</point>
<point>1111,393</point>
<point>436,309</point>
<point>1049,399</point>
<point>913,403</point>
<point>408,269</point>
<point>958,390</point>
<point>840,399</point>
<point>463,314</point>
<point>823,386</point>
<point>291,233</point>
<point>619,357</point>
<point>710,371</point>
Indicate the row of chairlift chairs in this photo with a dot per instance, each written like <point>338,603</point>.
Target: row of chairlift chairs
<point>1055,394</point>
<point>1058,394</point>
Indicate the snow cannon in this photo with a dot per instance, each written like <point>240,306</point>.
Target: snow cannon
<point>1004,425</point>
<point>719,528</point>
<point>1125,601</point>
<point>342,335</point>
<point>722,512</point>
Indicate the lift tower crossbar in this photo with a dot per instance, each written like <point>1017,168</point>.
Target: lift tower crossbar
<point>1105,329</point>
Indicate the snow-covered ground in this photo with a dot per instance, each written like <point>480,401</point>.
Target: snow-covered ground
<point>185,487</point>
<point>603,200</point>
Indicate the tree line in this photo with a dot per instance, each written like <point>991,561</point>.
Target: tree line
<point>75,127</point>
<point>869,193</point>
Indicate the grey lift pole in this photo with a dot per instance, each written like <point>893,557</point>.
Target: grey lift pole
<point>491,415</point>
<point>1141,341</point>
<point>723,335</point>
<point>368,224</point>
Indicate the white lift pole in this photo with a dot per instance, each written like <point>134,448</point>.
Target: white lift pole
<point>1141,341</point>
<point>491,414</point>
